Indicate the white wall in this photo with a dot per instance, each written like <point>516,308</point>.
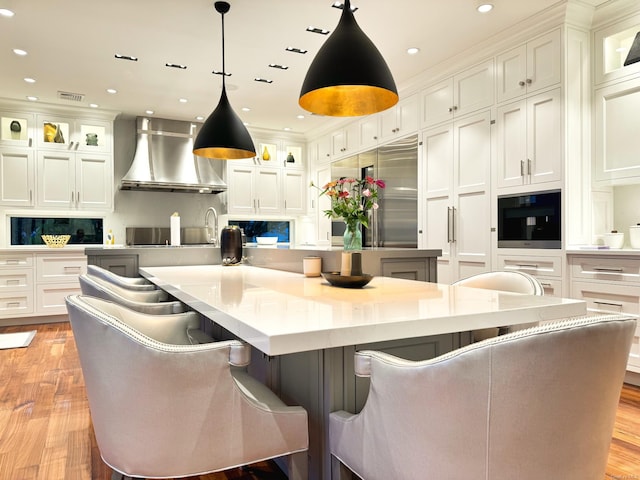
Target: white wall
<point>626,208</point>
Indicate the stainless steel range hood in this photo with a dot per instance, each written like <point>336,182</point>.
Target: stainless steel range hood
<point>164,160</point>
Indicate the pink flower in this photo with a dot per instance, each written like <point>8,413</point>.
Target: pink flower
<point>343,194</point>
<point>366,192</point>
<point>374,206</point>
<point>370,180</point>
<point>380,183</point>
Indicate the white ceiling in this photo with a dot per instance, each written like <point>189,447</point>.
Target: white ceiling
<point>71,46</point>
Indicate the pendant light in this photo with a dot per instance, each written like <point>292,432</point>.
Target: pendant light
<point>223,135</point>
<point>634,51</point>
<point>348,77</point>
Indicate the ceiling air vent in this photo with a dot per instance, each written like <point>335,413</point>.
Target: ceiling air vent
<point>72,97</point>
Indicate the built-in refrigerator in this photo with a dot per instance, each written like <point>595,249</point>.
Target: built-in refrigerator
<point>395,222</point>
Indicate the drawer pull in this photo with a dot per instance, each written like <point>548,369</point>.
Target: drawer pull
<point>13,304</point>
<point>76,268</point>
<point>526,265</point>
<point>13,281</point>
<point>608,269</point>
<point>610,304</point>
<point>12,261</point>
<point>546,284</point>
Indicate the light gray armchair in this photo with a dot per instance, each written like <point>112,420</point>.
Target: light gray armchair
<point>153,302</point>
<point>131,283</point>
<point>165,410</point>
<point>507,281</point>
<point>534,404</point>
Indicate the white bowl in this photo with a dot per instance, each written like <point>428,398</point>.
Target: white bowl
<point>634,236</point>
<point>267,240</point>
<point>613,240</point>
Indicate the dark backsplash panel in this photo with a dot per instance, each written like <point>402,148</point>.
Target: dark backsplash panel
<point>264,228</point>
<point>27,230</point>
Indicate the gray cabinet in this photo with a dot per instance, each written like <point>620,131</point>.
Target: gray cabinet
<point>123,265</point>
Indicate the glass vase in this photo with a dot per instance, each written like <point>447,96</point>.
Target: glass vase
<point>352,238</point>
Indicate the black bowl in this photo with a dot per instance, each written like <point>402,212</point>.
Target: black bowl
<point>344,281</point>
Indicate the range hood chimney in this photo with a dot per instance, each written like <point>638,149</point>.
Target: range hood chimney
<point>164,160</point>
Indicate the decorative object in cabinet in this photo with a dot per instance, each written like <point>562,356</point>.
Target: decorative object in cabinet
<point>268,151</point>
<point>617,150</point>
<point>79,135</point>
<point>17,174</point>
<point>611,46</point>
<point>530,67</point>
<point>400,120</point>
<point>456,184</point>
<point>294,157</point>
<point>466,92</point>
<point>16,129</point>
<point>530,140</point>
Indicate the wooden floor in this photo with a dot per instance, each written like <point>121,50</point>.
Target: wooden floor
<point>46,433</point>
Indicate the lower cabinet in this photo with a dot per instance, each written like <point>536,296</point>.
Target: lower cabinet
<point>546,268</point>
<point>123,265</point>
<point>609,285</point>
<point>36,284</point>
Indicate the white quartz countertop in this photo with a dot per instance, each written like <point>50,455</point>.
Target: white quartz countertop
<point>593,250</point>
<point>282,312</point>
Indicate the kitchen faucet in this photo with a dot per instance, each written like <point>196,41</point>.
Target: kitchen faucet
<point>211,238</point>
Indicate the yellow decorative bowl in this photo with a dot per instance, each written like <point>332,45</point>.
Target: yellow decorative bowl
<point>55,241</point>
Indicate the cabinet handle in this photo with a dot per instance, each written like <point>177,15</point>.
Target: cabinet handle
<point>12,281</point>
<point>30,142</point>
<point>76,268</point>
<point>526,265</point>
<point>313,204</point>
<point>70,147</point>
<point>30,196</point>
<point>522,168</point>
<point>451,228</point>
<point>521,83</point>
<point>528,166</point>
<point>529,81</point>
<point>609,304</point>
<point>448,224</point>
<point>545,284</point>
<point>77,145</point>
<point>606,269</point>
<point>12,261</point>
<point>77,198</point>
<point>285,204</point>
<point>13,304</point>
<point>71,198</point>
<point>375,137</point>
<point>450,109</point>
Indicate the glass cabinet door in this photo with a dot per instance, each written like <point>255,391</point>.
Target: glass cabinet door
<point>16,129</point>
<point>612,47</point>
<point>54,132</point>
<point>92,136</point>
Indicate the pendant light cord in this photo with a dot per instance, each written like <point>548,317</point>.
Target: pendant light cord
<point>224,71</point>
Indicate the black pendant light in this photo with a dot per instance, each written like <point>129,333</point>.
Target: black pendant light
<point>634,51</point>
<point>223,135</point>
<point>348,77</point>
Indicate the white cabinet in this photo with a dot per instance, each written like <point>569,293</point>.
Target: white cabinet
<point>609,285</point>
<point>529,68</point>
<point>56,278</point>
<point>546,268</point>
<point>617,150</point>
<point>400,120</point>
<point>78,135</point>
<point>16,285</point>
<point>456,182</point>
<point>466,92</point>
<point>17,177</point>
<point>345,141</point>
<point>254,189</point>
<point>529,142</point>
<point>611,47</point>
<point>319,203</point>
<point>369,131</point>
<point>294,192</point>
<point>72,180</point>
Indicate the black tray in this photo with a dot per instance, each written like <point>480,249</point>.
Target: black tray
<point>344,281</point>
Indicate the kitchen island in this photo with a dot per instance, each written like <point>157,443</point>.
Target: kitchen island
<point>305,331</point>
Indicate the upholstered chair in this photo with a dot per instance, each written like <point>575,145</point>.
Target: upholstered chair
<point>143,301</point>
<point>162,408</point>
<point>534,404</point>
<point>507,281</point>
<point>131,283</point>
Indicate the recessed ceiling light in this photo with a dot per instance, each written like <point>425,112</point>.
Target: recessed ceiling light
<point>246,109</point>
<point>622,50</point>
<point>176,65</point>
<point>126,57</point>
<point>246,124</point>
<point>5,12</point>
<point>199,117</point>
<point>183,100</point>
<point>30,80</point>
<point>321,31</point>
<point>93,105</point>
<point>413,50</point>
<point>19,51</point>
<point>32,98</point>
<point>286,129</point>
<point>279,67</point>
<point>296,50</point>
<point>300,117</point>
<point>149,112</point>
<point>112,90</point>
<point>263,80</point>
<point>484,7</point>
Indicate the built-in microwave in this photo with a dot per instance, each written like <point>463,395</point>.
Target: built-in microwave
<point>530,220</point>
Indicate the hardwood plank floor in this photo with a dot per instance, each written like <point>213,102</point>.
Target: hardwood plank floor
<point>46,433</point>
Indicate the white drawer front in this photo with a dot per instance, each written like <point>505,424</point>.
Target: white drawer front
<point>607,298</point>
<point>16,304</point>
<point>16,280</point>
<point>536,266</point>
<point>552,286</point>
<point>50,298</point>
<point>53,269</point>
<point>634,355</point>
<point>12,260</point>
<point>606,268</point>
